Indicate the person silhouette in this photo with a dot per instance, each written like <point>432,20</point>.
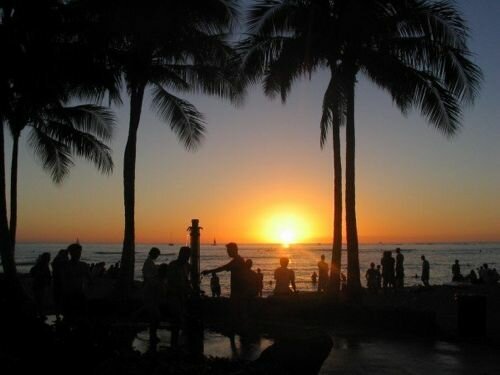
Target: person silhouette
<point>314,278</point>
<point>455,270</point>
<point>378,277</point>
<point>371,277</point>
<point>425,271</point>
<point>58,266</point>
<point>238,297</point>
<point>400,270</point>
<point>251,280</point>
<point>76,277</point>
<point>178,291</point>
<point>41,282</point>
<point>260,278</point>
<point>284,278</point>
<point>215,285</point>
<point>151,292</point>
<point>387,269</point>
<point>323,275</point>
<point>237,268</point>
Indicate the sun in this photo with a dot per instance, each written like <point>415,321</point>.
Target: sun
<point>285,228</point>
<point>287,236</point>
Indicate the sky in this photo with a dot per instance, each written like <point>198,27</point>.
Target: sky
<point>260,175</point>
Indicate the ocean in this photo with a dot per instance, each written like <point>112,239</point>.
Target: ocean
<point>303,258</point>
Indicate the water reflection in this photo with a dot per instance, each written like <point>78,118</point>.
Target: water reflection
<point>248,347</point>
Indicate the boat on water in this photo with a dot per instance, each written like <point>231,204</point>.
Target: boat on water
<point>214,243</point>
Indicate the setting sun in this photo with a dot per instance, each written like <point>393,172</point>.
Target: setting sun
<point>287,236</point>
<point>286,229</point>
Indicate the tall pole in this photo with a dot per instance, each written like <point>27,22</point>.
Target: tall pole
<point>194,230</point>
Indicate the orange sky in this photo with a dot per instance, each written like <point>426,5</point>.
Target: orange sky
<point>261,174</point>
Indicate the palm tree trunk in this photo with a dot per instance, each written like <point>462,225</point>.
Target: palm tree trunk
<point>128,253</point>
<point>337,213</point>
<point>353,273</point>
<point>8,263</point>
<point>13,190</point>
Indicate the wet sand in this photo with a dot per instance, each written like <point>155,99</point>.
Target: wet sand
<point>358,355</point>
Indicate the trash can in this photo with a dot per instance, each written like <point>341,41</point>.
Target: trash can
<point>471,314</point>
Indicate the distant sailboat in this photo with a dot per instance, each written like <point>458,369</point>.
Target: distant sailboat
<point>214,243</point>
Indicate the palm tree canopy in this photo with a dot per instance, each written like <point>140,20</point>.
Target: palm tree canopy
<point>41,83</point>
<point>416,50</point>
<point>170,47</point>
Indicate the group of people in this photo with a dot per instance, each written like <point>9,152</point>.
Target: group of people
<point>484,275</point>
<point>391,272</point>
<point>245,282</point>
<point>68,279</point>
<point>166,285</point>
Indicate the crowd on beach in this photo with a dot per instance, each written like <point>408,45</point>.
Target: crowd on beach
<point>390,273</point>
<point>169,284</point>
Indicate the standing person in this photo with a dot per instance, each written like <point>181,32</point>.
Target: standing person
<point>260,277</point>
<point>237,268</point>
<point>58,266</point>
<point>178,291</point>
<point>41,282</point>
<point>400,270</point>
<point>284,278</point>
<point>425,271</point>
<point>215,285</point>
<point>378,277</point>
<point>455,270</point>
<point>237,297</point>
<point>314,278</point>
<point>151,292</point>
<point>323,275</point>
<point>75,279</point>
<point>387,269</point>
<point>251,280</point>
<point>371,277</point>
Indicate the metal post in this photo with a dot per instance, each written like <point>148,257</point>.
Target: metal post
<point>194,230</point>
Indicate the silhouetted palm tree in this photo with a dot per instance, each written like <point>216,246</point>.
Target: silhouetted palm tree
<point>416,50</point>
<point>58,132</point>
<point>169,48</point>
<point>45,69</point>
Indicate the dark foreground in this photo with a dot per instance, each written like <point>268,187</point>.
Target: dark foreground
<point>311,333</point>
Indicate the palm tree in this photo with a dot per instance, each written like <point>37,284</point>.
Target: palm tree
<point>58,132</point>
<point>168,48</point>
<point>416,50</point>
<point>40,82</point>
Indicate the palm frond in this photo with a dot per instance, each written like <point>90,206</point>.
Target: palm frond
<point>55,156</point>
<point>412,88</point>
<point>87,118</point>
<point>183,118</point>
